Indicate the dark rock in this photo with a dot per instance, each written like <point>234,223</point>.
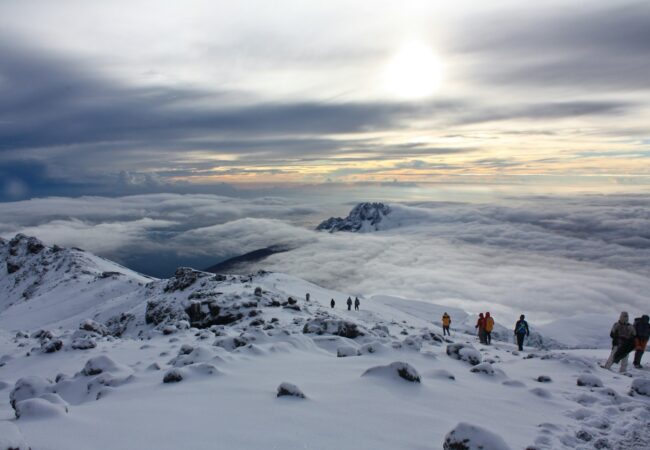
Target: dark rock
<point>117,325</point>
<point>52,346</point>
<point>109,274</point>
<point>464,352</point>
<point>471,437</point>
<point>289,390</point>
<point>184,277</point>
<point>12,268</point>
<point>83,344</point>
<point>173,376</point>
<point>544,379</point>
<point>95,327</point>
<point>399,369</point>
<point>584,436</point>
<point>333,326</point>
<point>589,381</point>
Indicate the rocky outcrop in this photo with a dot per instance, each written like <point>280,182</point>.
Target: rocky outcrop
<point>335,327</point>
<point>363,217</point>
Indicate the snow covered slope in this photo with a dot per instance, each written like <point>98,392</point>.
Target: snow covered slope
<point>206,361</point>
<point>54,286</point>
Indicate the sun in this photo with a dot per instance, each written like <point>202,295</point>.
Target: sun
<point>413,72</point>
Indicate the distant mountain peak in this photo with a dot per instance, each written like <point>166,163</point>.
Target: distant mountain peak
<point>365,216</point>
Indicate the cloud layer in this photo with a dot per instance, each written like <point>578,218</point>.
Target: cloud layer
<point>549,257</point>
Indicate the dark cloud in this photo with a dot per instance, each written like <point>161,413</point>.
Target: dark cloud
<point>603,45</point>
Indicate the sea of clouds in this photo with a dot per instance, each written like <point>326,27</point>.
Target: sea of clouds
<point>549,257</point>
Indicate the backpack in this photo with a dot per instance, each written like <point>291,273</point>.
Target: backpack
<point>521,327</point>
<point>489,324</point>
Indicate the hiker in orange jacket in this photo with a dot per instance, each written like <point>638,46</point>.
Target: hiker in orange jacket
<point>446,322</point>
<point>489,326</point>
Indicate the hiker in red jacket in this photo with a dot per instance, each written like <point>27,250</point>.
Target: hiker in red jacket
<point>480,325</point>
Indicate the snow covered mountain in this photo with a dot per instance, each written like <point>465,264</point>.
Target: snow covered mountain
<point>200,359</point>
<point>363,218</point>
<point>55,286</point>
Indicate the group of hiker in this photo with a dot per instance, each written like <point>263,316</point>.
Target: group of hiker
<point>357,303</point>
<point>485,325</point>
<point>627,337</point>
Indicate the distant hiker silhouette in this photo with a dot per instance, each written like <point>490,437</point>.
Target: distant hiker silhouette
<point>446,321</point>
<point>356,303</point>
<point>622,334</point>
<point>480,324</point>
<point>489,326</point>
<point>307,296</point>
<point>642,329</point>
<point>349,304</point>
<point>332,303</point>
<point>521,331</point>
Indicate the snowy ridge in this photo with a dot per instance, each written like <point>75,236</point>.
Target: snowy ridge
<point>197,358</point>
<point>42,285</point>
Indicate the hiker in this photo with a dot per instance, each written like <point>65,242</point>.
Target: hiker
<point>480,324</point>
<point>349,304</point>
<point>642,329</point>
<point>489,326</point>
<point>521,331</point>
<point>622,335</point>
<point>332,303</point>
<point>446,321</point>
<point>307,296</point>
<point>356,303</point>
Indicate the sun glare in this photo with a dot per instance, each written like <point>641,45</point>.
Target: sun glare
<point>414,72</point>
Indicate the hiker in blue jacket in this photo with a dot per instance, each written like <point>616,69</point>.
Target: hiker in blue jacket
<point>521,331</point>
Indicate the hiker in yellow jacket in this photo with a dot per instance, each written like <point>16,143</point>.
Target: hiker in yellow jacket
<point>489,326</point>
<point>446,321</point>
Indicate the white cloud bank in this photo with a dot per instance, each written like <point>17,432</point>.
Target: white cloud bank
<point>546,257</point>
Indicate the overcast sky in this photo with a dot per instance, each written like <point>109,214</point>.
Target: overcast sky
<point>212,96</point>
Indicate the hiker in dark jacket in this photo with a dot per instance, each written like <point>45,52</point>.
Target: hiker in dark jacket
<point>356,303</point>
<point>332,303</point>
<point>349,304</point>
<point>521,331</point>
<point>642,329</point>
<point>622,335</point>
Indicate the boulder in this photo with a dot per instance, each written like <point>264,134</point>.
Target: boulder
<point>335,327</point>
<point>640,386</point>
<point>94,327</point>
<point>83,344</point>
<point>398,369</point>
<point>39,408</point>
<point>100,364</point>
<point>11,438</point>
<point>589,380</point>
<point>173,376</point>
<point>346,350</point>
<point>51,346</point>
<point>464,352</point>
<point>28,387</point>
<point>289,390</point>
<point>471,437</point>
<point>484,368</point>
